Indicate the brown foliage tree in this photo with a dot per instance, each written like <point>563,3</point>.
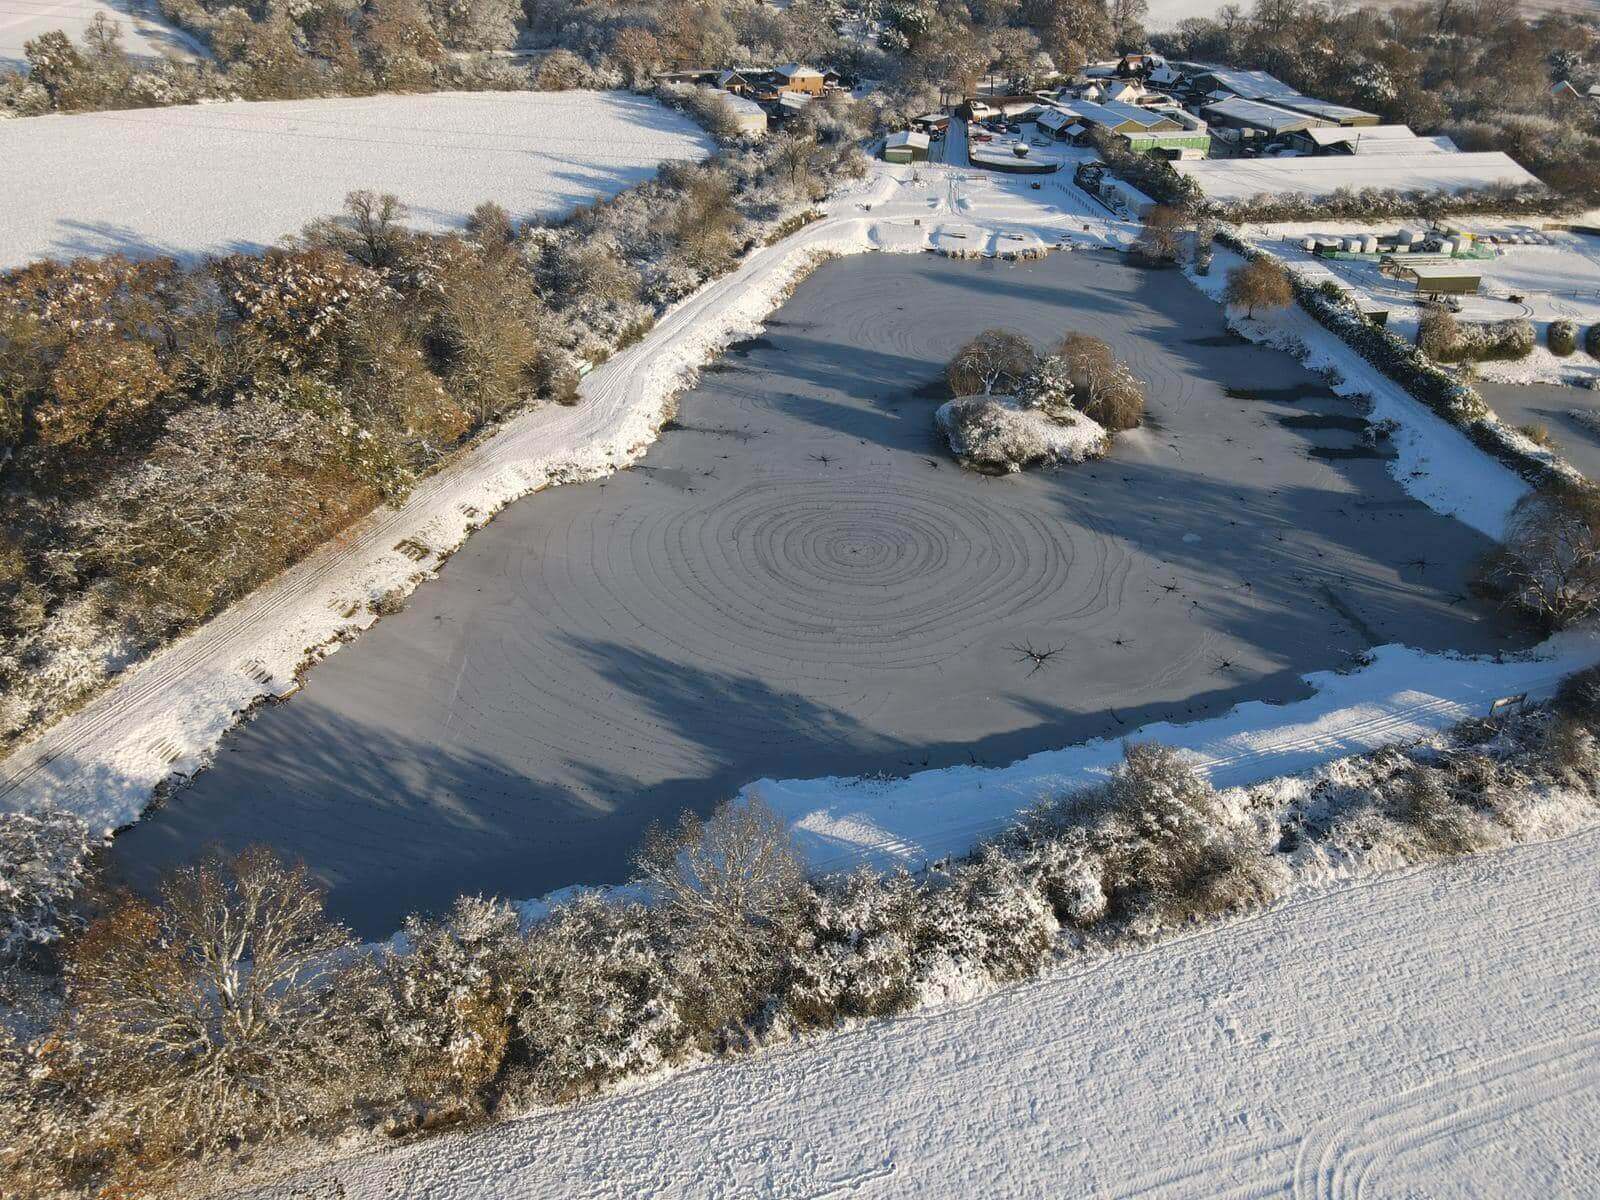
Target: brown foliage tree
<point>1260,283</point>
<point>995,361</point>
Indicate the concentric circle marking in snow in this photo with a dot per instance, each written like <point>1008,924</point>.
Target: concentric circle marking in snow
<point>841,571</point>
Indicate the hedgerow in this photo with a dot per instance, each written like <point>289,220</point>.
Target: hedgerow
<point>727,947</point>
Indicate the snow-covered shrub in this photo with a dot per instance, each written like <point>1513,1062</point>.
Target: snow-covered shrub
<point>985,915</point>
<point>449,999</point>
<point>731,888</point>
<point>1170,847</point>
<point>1562,337</point>
<point>1549,563</point>
<point>43,856</point>
<point>21,96</point>
<point>856,949</point>
<point>997,434</point>
<point>602,1002</point>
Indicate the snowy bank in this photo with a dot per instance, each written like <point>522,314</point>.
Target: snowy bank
<point>996,433</point>
<point>1401,694</point>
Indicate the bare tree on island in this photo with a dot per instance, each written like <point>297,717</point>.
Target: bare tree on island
<point>994,361</point>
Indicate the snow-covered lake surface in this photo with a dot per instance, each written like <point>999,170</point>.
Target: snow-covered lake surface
<point>1432,1033</point>
<point>798,581</point>
<point>214,179</point>
<point>147,36</point>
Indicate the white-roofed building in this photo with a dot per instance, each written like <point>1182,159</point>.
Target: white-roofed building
<point>1260,117</point>
<point>1238,180</point>
<point>1369,139</point>
<point>909,145</point>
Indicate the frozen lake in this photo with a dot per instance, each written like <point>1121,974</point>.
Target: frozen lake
<point>1552,406</point>
<point>798,581</point>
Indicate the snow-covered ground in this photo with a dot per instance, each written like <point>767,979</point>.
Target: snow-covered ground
<point>1400,696</point>
<point>213,179</point>
<point>1542,283</point>
<point>1432,1033</point>
<point>146,34</point>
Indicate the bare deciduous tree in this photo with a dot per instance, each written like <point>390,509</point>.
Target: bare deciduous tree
<point>206,1016</point>
<point>1105,389</point>
<point>1549,564</point>
<point>994,361</point>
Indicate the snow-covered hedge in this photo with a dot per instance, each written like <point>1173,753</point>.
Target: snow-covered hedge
<point>997,434</point>
<point>1403,362</point>
<point>470,1013</point>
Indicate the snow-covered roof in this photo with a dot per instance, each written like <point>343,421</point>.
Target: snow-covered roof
<point>794,100</point>
<point>795,71</point>
<point>1251,85</point>
<point>906,137</point>
<point>744,107</point>
<point>1325,109</point>
<point>1260,115</point>
<point>1114,114</point>
<point>1379,139</point>
<point>1236,179</point>
<point>1427,272</point>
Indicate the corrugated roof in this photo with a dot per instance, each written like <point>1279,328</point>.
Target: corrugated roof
<point>1262,115</point>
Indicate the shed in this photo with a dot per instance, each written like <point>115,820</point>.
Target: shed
<point>1443,279</point>
<point>906,146</point>
<point>1270,119</point>
<point>748,116</point>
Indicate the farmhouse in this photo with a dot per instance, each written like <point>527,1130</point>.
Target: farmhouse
<point>1235,180</point>
<point>792,77</point>
<point>909,145</point>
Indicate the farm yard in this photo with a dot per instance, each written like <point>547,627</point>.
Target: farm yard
<point>216,179</point>
<point>797,581</point>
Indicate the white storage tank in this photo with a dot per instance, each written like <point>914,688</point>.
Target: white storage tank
<point>1369,244</point>
<point>1352,245</point>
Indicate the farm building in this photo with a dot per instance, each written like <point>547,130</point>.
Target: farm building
<point>792,77</point>
<point>1144,129</point>
<point>1247,85</point>
<point>748,116</point>
<point>1442,278</point>
<point>1257,116</point>
<point>1326,110</point>
<point>1370,139</point>
<point>1235,180</point>
<point>931,122</point>
<point>790,105</point>
<point>906,146</point>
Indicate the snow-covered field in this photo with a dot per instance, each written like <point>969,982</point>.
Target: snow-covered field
<point>213,179</point>
<point>1433,1033</point>
<point>146,34</point>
